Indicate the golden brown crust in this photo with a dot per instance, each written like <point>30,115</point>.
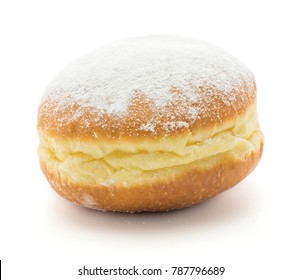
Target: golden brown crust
<point>176,113</point>
<point>85,123</point>
<point>185,190</point>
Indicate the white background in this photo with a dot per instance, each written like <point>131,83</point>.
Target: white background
<point>253,230</point>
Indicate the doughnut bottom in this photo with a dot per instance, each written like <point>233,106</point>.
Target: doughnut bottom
<point>196,181</point>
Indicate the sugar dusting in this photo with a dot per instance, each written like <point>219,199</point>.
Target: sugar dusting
<point>164,69</point>
<point>148,127</point>
<point>88,200</point>
<point>169,126</point>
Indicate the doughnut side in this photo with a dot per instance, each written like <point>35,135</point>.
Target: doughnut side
<point>152,174</point>
<point>124,162</point>
<point>188,185</point>
<point>209,108</point>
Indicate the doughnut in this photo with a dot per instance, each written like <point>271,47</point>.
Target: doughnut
<point>150,123</point>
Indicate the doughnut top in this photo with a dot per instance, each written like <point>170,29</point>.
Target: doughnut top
<point>153,85</point>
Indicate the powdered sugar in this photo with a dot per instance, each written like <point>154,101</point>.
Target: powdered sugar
<point>148,127</point>
<point>88,200</point>
<point>107,79</point>
<point>170,126</point>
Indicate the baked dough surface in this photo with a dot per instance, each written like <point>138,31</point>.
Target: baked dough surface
<point>150,123</point>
